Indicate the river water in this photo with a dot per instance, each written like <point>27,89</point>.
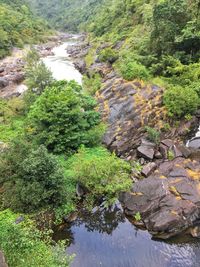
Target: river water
<point>106,238</point>
<point>60,64</point>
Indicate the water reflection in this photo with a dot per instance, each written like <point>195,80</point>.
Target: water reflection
<point>105,238</point>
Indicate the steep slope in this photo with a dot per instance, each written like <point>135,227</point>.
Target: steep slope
<point>18,26</point>
<point>66,14</point>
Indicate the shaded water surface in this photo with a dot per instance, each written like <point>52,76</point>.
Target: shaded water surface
<point>106,238</point>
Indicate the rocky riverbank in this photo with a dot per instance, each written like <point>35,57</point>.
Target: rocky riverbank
<point>12,72</point>
<point>166,190</point>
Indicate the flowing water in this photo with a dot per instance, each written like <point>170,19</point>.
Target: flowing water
<point>61,65</point>
<point>106,238</point>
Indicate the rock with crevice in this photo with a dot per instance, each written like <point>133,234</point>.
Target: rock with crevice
<point>169,199</point>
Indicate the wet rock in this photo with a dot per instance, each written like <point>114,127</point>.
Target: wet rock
<point>149,168</point>
<point>169,199</point>
<point>3,82</point>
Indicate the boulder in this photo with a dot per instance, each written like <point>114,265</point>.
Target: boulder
<point>146,152</point>
<point>3,82</point>
<point>169,199</point>
<point>194,143</point>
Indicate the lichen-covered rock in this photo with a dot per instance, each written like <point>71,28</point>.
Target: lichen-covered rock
<point>128,107</point>
<point>169,199</point>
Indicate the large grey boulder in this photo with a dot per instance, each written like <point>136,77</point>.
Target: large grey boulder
<point>169,199</point>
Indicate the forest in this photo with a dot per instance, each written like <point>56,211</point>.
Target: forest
<point>62,152</point>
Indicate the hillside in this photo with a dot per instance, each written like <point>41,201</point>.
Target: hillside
<point>66,15</point>
<point>18,26</point>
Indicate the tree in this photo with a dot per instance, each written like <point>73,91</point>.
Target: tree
<point>32,179</point>
<point>63,118</point>
<point>38,76</point>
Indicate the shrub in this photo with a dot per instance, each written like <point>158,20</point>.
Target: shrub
<point>23,246</point>
<point>152,134</point>
<point>133,70</point>
<point>32,179</point>
<point>93,84</point>
<point>181,101</point>
<point>62,118</point>
<point>102,173</point>
<point>108,54</point>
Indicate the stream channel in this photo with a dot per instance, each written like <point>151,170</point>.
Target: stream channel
<point>105,237</point>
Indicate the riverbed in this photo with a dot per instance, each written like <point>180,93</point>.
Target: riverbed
<point>105,237</point>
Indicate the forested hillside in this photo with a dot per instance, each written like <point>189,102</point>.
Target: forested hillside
<point>66,15</point>
<point>159,39</point>
<point>18,26</point>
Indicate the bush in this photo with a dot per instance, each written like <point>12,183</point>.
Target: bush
<point>102,173</point>
<point>32,179</point>
<point>181,101</point>
<point>62,118</point>
<point>93,84</point>
<point>23,246</point>
<point>108,54</point>
<point>153,134</point>
<point>133,70</point>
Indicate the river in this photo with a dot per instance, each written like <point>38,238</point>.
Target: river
<point>106,238</point>
<point>60,64</point>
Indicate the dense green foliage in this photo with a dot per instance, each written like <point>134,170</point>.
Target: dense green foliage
<point>37,74</point>
<point>63,118</point>
<point>18,26</point>
<point>66,14</point>
<point>34,182</point>
<point>100,172</point>
<point>147,38</point>
<point>181,101</point>
<point>23,244</point>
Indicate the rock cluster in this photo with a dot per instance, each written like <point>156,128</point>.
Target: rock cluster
<point>169,199</point>
<point>168,195</point>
